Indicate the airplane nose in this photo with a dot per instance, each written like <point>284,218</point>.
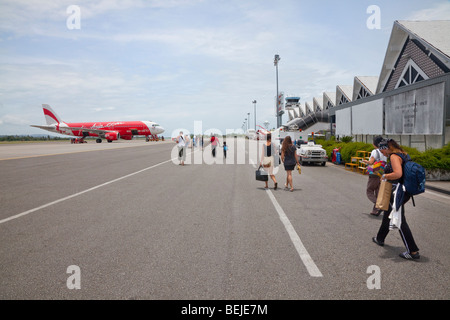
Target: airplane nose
<point>160,129</point>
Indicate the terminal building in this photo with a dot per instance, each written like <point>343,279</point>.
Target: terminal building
<point>409,100</point>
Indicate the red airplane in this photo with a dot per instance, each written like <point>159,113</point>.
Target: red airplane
<point>107,130</point>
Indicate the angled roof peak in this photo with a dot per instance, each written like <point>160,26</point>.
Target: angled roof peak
<point>432,34</point>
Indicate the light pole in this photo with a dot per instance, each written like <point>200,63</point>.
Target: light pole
<point>275,63</point>
<point>248,123</point>
<point>254,103</point>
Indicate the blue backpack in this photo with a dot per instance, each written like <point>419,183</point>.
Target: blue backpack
<point>413,176</point>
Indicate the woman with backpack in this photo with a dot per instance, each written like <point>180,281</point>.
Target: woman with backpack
<point>394,173</point>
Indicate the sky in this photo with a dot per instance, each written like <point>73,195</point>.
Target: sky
<point>176,62</point>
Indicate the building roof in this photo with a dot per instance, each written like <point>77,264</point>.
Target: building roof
<point>291,114</point>
<point>342,90</point>
<point>317,103</point>
<point>432,34</point>
<point>309,107</point>
<point>329,96</point>
<point>436,33</point>
<point>367,82</point>
<point>303,110</point>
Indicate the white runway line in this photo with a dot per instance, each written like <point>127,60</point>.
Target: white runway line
<point>80,193</point>
<point>298,244</point>
<point>303,253</point>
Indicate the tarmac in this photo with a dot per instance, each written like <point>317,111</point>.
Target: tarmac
<point>138,226</point>
<point>433,185</point>
<point>439,186</point>
<point>26,150</point>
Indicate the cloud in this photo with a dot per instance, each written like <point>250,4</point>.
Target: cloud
<point>177,61</point>
<point>104,109</point>
<point>21,18</point>
<point>13,119</point>
<point>440,11</point>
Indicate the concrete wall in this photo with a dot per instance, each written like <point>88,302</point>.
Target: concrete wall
<point>419,141</point>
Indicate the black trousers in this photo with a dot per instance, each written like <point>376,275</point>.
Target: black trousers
<point>404,230</point>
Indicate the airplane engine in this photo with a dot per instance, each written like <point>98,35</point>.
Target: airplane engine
<point>110,136</point>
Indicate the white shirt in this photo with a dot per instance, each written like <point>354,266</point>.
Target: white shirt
<point>181,142</point>
<point>377,155</point>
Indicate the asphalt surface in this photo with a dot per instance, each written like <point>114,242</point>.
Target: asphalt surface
<point>140,226</point>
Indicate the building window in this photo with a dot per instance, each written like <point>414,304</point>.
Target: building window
<point>411,74</point>
<point>329,105</point>
<point>362,93</point>
<point>343,100</point>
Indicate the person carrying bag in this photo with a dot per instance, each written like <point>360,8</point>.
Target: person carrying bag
<point>181,144</point>
<point>269,160</point>
<point>394,216</point>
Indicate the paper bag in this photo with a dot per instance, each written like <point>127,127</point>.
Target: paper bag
<point>384,195</point>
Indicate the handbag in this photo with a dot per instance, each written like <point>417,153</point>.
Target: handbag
<point>299,169</point>
<point>377,168</point>
<point>261,175</point>
<point>267,162</point>
<point>384,195</point>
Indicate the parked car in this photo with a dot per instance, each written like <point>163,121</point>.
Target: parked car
<point>312,153</point>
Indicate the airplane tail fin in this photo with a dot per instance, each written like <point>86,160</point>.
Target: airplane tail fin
<point>50,116</point>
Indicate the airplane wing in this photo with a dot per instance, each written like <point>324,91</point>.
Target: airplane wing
<point>50,128</point>
<point>90,130</point>
<point>41,127</point>
<point>53,128</point>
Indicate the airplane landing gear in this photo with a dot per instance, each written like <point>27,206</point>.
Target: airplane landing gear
<point>152,137</point>
<point>98,140</point>
<point>76,140</point>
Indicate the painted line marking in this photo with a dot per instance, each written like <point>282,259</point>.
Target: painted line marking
<point>298,244</point>
<point>301,250</point>
<point>80,193</point>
